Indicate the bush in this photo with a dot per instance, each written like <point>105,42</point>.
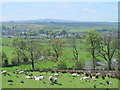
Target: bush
<point>79,65</point>
<point>61,64</point>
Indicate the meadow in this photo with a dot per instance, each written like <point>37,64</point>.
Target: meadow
<point>65,80</point>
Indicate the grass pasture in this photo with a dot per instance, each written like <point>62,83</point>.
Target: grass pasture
<point>67,81</point>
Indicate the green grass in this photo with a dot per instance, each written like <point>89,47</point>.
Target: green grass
<point>38,65</point>
<point>66,80</point>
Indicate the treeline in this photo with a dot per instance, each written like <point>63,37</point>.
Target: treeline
<point>98,45</point>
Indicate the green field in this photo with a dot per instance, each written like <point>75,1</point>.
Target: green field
<point>67,81</point>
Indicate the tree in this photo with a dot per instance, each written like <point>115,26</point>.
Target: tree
<point>108,47</point>
<point>74,46</point>
<point>19,45</point>
<point>92,43</point>
<point>34,49</point>
<point>57,46</point>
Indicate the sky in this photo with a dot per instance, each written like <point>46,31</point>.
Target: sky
<point>76,11</point>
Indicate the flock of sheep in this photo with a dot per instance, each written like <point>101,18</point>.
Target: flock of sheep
<point>53,79</point>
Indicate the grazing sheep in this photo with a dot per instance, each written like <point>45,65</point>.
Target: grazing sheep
<point>53,80</point>
<point>41,77</point>
<point>4,72</point>
<point>98,74</point>
<point>75,74</point>
<point>56,75</point>
<point>93,77</point>
<point>110,83</point>
<point>21,72</point>
<point>38,78</point>
<point>84,78</point>
<point>28,77</point>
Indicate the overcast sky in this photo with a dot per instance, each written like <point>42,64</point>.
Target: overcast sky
<point>77,11</point>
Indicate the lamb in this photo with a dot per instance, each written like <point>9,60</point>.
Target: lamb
<point>84,78</point>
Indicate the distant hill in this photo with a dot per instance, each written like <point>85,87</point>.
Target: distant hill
<point>44,20</point>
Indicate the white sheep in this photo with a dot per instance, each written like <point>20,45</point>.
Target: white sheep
<point>56,74</point>
<point>98,74</point>
<point>75,74</point>
<point>41,77</point>
<point>4,72</point>
<point>28,77</point>
<point>21,72</point>
<point>93,77</point>
<point>38,78</point>
<point>110,83</point>
<point>84,78</point>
